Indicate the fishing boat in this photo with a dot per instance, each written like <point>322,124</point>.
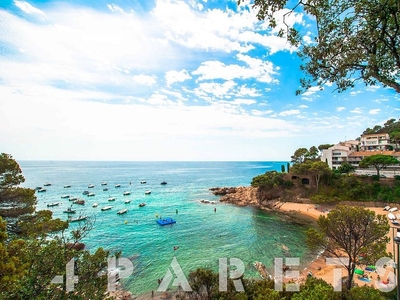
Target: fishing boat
<point>65,196</point>
<point>104,183</point>
<point>78,219</point>
<point>117,185</point>
<point>67,186</point>
<point>79,201</point>
<point>91,194</point>
<point>53,204</point>
<point>122,211</point>
<point>111,199</point>
<point>148,192</point>
<point>127,201</point>
<point>142,204</point>
<point>127,193</point>
<point>106,208</point>
<point>69,210</point>
<point>90,186</point>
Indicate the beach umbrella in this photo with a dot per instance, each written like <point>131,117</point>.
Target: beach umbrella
<point>359,272</point>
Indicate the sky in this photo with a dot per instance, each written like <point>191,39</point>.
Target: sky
<point>191,80</point>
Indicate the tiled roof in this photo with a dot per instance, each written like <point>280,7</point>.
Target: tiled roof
<point>369,153</point>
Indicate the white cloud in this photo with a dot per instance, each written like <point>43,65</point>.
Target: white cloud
<point>354,93</point>
<point>311,91</point>
<point>356,110</point>
<point>176,76</point>
<point>290,112</point>
<point>145,79</point>
<point>303,106</point>
<point>375,111</point>
<point>340,108</point>
<point>372,88</point>
<point>28,8</point>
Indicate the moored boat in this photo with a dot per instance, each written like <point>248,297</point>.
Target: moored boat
<point>104,183</point>
<point>73,198</point>
<point>85,193</point>
<point>94,205</point>
<point>106,208</point>
<point>42,190</point>
<point>91,194</point>
<point>53,204</point>
<point>69,210</point>
<point>47,184</point>
<point>117,185</point>
<point>67,186</point>
<point>111,199</point>
<point>78,219</point>
<point>90,186</point>
<point>163,183</point>
<point>105,189</point>
<point>122,211</point>
<point>79,201</point>
<point>65,196</point>
<point>142,204</point>
<point>127,201</point>
<point>143,181</point>
<point>127,193</point>
<point>148,192</point>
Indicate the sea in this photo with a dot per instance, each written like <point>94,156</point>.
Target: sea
<point>203,232</point>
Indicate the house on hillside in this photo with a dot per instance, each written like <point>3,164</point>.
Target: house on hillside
<point>357,156</point>
<point>339,153</point>
<point>375,141</point>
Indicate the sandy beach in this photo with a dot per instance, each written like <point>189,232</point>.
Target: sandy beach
<point>318,267</point>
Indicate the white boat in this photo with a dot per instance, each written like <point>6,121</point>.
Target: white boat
<point>41,190</point>
<point>106,208</point>
<point>148,192</point>
<point>142,204</point>
<point>69,210</point>
<point>65,196</point>
<point>386,207</point>
<point>94,205</point>
<point>393,209</point>
<point>122,211</point>
<point>73,198</point>
<point>104,183</point>
<point>78,219</point>
<point>143,181</point>
<point>53,204</point>
<point>67,186</point>
<point>47,184</point>
<point>111,199</point>
<point>90,186</point>
<point>91,194</point>
<point>391,216</point>
<point>117,185</point>
<point>127,201</point>
<point>127,193</point>
<point>79,201</point>
<point>85,192</point>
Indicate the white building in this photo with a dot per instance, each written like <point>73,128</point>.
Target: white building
<point>339,153</point>
<point>376,141</point>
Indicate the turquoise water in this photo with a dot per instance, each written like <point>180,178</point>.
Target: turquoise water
<point>203,236</point>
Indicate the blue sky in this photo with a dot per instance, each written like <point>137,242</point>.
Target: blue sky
<point>164,80</point>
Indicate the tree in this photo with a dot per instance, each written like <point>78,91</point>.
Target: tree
<point>316,169</point>
<point>378,161</point>
<point>346,168</point>
<point>355,40</point>
<point>204,283</point>
<point>352,232</point>
<point>299,155</point>
<point>14,201</point>
<point>324,146</point>
<point>315,288</point>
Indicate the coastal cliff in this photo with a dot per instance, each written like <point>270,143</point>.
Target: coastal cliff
<point>254,196</point>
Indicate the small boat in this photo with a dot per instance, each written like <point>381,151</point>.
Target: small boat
<point>105,189</point>
<point>117,185</point>
<point>393,209</point>
<point>122,211</point>
<point>127,193</point>
<point>204,201</point>
<point>38,188</point>
<point>90,186</point>
<point>91,194</point>
<point>65,196</point>
<point>148,192</point>
<point>69,210</point>
<point>67,186</point>
<point>166,221</point>
<point>85,192</point>
<point>73,198</point>
<point>53,204</point>
<point>78,219</point>
<point>111,199</point>
<point>42,190</point>
<point>79,201</point>
<point>142,204</point>
<point>386,207</point>
<point>104,183</point>
<point>106,208</point>
<point>94,205</point>
<point>127,201</point>
<point>47,184</point>
<point>143,181</point>
<point>391,216</point>
<point>163,183</point>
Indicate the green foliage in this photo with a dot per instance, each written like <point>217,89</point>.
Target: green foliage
<point>365,292</point>
<point>10,172</point>
<point>346,168</point>
<point>369,27</point>
<point>271,179</point>
<point>316,289</point>
<point>350,231</point>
